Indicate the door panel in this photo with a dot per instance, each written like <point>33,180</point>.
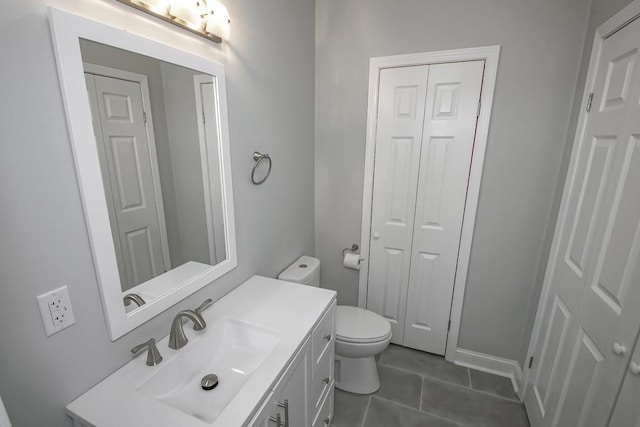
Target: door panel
<point>576,378</point>
<point>128,172</point>
<point>453,95</point>
<point>401,107</point>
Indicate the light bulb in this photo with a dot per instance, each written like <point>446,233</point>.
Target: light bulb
<point>218,22</point>
<point>157,6</point>
<point>187,12</point>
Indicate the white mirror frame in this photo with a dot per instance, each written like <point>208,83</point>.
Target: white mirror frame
<point>67,29</point>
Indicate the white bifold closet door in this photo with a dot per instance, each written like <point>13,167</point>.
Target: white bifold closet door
<point>591,315</point>
<point>424,143</point>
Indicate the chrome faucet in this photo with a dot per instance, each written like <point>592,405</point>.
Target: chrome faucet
<point>133,297</point>
<point>177,338</point>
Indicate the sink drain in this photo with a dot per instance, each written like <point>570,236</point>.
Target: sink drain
<point>209,382</point>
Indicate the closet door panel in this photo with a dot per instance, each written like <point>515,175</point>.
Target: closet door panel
<point>401,110</point>
<point>453,96</point>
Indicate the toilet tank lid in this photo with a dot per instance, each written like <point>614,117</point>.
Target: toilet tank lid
<point>301,270</point>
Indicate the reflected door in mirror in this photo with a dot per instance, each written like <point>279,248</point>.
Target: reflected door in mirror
<point>129,168</point>
<point>157,134</point>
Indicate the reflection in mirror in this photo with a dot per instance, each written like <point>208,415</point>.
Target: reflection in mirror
<point>159,164</point>
<point>149,131</point>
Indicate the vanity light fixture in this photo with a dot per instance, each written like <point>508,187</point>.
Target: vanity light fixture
<point>206,18</point>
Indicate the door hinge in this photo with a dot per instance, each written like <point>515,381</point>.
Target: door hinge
<point>203,119</point>
<point>479,106</point>
<point>530,362</point>
<point>589,101</point>
<point>449,326</point>
<point>144,116</point>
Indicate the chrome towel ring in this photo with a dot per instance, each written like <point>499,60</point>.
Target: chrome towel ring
<point>258,157</point>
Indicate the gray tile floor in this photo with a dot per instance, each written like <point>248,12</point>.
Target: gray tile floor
<point>420,389</point>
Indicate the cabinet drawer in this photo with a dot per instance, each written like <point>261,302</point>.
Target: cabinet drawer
<point>323,419</point>
<point>322,379</point>
<point>323,336</point>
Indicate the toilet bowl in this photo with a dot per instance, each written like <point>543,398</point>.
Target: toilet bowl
<point>360,334</point>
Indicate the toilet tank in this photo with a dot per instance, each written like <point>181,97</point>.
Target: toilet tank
<point>305,270</point>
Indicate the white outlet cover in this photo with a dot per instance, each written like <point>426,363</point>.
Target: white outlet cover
<point>56,305</point>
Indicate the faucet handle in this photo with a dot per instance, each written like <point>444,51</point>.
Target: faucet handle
<point>153,355</point>
<point>205,304</point>
<point>198,311</point>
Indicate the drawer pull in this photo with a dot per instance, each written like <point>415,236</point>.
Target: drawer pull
<point>276,420</point>
<point>285,406</point>
<point>326,380</point>
<point>327,337</point>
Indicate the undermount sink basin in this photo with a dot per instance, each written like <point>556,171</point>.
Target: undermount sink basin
<point>231,349</point>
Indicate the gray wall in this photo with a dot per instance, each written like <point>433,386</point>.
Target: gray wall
<point>43,238</point>
<point>541,48</point>
<point>601,10</point>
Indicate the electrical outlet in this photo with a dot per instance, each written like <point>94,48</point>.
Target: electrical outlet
<point>56,311</point>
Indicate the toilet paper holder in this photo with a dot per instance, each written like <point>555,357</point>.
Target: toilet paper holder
<point>354,248</point>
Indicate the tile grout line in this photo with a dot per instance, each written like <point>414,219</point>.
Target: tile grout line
<point>431,414</point>
<point>469,387</point>
<point>366,410</point>
<point>421,375</point>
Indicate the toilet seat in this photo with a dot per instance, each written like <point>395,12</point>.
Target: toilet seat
<point>357,325</point>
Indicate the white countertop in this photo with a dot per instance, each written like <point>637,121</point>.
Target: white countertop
<point>290,308</point>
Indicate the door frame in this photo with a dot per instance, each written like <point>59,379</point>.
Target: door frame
<point>209,162</point>
<point>630,13</point>
<point>491,55</point>
<point>143,81</point>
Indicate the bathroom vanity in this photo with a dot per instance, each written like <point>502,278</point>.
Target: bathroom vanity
<point>271,344</point>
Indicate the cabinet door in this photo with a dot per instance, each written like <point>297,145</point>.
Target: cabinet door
<point>266,411</point>
<point>292,392</point>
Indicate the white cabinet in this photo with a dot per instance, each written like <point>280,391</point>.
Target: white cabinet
<point>303,395</point>
<point>287,405</point>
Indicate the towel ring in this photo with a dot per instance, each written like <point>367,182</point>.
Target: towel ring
<point>258,157</point>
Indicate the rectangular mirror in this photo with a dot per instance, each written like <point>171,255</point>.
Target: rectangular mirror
<point>148,125</point>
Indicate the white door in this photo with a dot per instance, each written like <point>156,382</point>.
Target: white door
<point>447,145</point>
<point>591,317</point>
<point>401,108</point>
<point>128,168</point>
<point>424,142</point>
<point>627,410</point>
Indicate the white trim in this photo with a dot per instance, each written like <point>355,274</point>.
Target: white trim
<point>620,20</point>
<point>490,55</point>
<point>66,29</point>
<point>207,162</point>
<point>491,364</point>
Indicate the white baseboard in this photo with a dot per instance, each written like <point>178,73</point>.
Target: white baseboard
<point>491,364</point>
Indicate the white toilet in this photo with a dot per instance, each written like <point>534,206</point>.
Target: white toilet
<point>360,334</point>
